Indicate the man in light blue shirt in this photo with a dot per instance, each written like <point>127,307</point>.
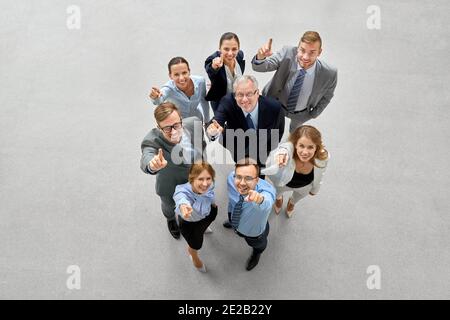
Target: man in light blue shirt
<point>250,201</point>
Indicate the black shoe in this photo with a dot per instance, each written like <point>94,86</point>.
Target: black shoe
<point>173,229</point>
<point>253,261</point>
<point>227,224</point>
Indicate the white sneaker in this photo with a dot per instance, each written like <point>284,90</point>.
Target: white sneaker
<point>208,230</point>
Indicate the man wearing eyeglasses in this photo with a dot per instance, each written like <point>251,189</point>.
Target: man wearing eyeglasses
<point>250,201</point>
<point>168,152</point>
<point>247,123</point>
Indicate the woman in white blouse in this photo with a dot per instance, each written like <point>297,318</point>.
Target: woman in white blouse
<point>298,166</point>
<point>184,90</point>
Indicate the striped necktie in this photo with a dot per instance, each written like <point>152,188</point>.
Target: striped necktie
<point>295,91</point>
<point>236,216</point>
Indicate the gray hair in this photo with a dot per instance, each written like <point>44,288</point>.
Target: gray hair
<point>245,79</point>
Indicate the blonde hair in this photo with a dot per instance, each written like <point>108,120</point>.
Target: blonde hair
<point>315,136</point>
<point>197,168</point>
<point>164,110</point>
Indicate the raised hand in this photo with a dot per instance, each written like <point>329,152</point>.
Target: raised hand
<point>158,162</point>
<point>155,93</point>
<point>254,196</point>
<point>265,51</point>
<point>282,159</point>
<point>217,62</point>
<point>214,128</point>
<point>186,210</point>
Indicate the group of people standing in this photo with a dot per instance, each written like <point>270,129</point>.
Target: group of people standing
<point>250,125</point>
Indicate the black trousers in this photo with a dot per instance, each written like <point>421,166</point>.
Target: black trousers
<point>258,243</point>
<point>193,232</point>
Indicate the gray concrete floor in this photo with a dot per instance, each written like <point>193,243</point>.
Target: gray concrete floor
<point>74,109</point>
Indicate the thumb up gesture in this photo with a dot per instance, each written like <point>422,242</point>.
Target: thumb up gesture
<point>214,128</point>
<point>265,51</point>
<point>254,196</point>
<point>217,62</point>
<point>155,93</point>
<point>158,162</point>
<point>186,210</point>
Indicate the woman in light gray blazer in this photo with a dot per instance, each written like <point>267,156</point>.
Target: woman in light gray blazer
<point>298,166</point>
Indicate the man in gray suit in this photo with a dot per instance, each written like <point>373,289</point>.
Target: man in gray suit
<point>302,83</point>
<point>168,152</point>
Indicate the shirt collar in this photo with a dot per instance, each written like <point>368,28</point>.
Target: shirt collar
<point>311,70</point>
<point>254,113</point>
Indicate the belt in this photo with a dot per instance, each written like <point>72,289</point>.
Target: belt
<point>294,112</point>
<point>244,236</point>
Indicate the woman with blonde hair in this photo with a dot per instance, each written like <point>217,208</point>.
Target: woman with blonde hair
<point>196,209</point>
<point>298,166</point>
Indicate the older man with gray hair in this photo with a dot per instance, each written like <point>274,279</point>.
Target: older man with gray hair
<point>248,124</point>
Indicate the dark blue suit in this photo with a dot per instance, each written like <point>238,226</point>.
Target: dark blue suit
<point>219,78</point>
<point>270,117</point>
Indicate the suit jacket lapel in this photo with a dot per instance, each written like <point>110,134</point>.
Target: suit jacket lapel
<point>240,115</point>
<point>316,83</point>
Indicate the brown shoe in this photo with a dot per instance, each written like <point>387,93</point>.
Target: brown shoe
<point>290,209</point>
<point>278,204</point>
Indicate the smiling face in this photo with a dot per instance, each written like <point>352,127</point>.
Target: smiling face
<point>202,182</point>
<point>246,179</point>
<point>175,135</point>
<point>305,149</point>
<point>181,75</point>
<point>307,53</point>
<point>246,95</point>
<point>229,49</point>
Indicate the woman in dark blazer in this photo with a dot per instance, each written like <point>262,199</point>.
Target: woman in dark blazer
<point>223,67</point>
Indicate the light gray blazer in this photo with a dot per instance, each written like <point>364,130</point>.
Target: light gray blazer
<point>281,176</point>
<point>173,174</point>
<point>285,63</point>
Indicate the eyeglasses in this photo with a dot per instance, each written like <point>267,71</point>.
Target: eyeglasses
<point>247,95</point>
<point>246,178</point>
<point>176,126</point>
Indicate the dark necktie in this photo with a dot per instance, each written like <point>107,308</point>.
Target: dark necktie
<point>236,216</point>
<point>250,123</point>
<point>295,91</point>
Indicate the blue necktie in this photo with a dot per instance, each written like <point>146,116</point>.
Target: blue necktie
<point>236,216</point>
<point>295,91</point>
<point>250,123</point>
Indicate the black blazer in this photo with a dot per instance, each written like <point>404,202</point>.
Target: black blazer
<point>219,77</point>
<point>270,117</point>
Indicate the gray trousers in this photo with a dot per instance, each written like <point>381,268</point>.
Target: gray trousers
<point>168,207</point>
<point>297,119</point>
